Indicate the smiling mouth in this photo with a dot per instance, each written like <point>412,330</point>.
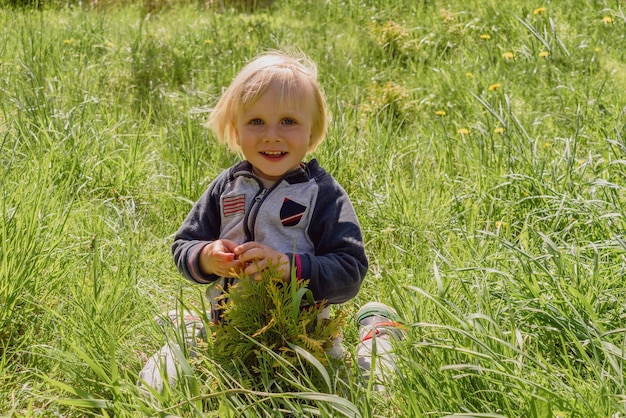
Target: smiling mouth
<point>273,154</point>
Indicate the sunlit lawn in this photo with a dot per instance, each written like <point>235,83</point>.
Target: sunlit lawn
<point>481,142</point>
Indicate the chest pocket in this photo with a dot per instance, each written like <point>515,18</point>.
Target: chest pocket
<point>291,212</point>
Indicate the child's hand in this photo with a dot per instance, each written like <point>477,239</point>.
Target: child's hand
<point>255,258</point>
<point>218,258</point>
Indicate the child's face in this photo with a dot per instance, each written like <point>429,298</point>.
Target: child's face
<point>273,136</point>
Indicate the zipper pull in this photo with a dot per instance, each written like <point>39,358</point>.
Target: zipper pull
<point>259,196</point>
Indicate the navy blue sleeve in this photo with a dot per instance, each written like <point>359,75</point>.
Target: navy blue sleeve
<point>201,227</point>
<point>337,269</point>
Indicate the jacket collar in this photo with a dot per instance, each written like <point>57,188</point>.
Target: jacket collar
<point>301,174</point>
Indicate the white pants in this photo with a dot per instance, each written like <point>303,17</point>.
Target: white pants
<point>170,362</point>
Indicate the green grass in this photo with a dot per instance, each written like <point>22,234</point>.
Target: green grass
<point>481,142</point>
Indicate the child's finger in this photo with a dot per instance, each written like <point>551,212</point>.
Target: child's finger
<point>247,247</point>
<point>251,269</point>
<point>251,255</point>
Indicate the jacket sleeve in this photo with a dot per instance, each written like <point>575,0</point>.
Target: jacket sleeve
<point>337,269</point>
<point>201,227</point>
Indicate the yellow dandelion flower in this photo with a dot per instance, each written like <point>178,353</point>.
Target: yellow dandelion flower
<point>440,113</point>
<point>468,74</point>
<point>547,145</point>
<point>508,55</point>
<point>464,131</point>
<point>596,49</point>
<point>544,54</point>
<point>607,20</point>
<point>501,224</point>
<point>494,87</point>
<point>539,10</point>
<point>67,41</point>
<point>499,130</point>
<point>208,41</point>
<point>485,37</point>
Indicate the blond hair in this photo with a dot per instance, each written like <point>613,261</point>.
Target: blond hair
<point>292,74</point>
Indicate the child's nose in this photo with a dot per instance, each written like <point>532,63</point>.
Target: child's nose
<point>272,133</point>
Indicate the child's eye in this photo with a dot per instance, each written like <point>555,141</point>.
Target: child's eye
<point>289,121</point>
<point>256,122</point>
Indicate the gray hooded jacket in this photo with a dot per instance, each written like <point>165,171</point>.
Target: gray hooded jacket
<point>306,215</point>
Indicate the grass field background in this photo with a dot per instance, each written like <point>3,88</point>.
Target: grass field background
<point>482,143</point>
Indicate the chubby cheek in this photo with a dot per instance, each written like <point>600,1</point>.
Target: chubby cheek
<point>248,136</point>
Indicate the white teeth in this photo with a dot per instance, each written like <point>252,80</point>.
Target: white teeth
<point>273,153</point>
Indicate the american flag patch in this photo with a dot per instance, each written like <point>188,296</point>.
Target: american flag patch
<point>234,205</point>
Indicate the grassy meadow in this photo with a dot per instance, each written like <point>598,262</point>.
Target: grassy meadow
<point>483,144</point>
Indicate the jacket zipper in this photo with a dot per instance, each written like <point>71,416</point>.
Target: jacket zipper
<point>252,214</point>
